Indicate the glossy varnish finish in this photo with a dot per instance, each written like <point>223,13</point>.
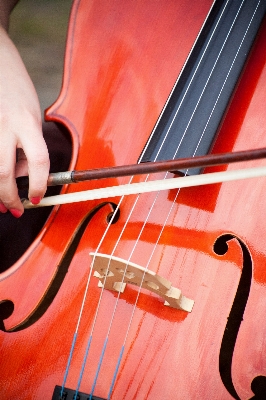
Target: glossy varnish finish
<point>122,60</point>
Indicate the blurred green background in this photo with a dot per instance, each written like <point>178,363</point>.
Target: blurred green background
<point>39,28</point>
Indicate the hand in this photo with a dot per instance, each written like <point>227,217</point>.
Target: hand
<point>22,147</point>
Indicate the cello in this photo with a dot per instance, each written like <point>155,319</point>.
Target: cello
<point>64,335</point>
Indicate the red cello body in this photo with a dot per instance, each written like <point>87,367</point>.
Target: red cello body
<point>122,60</point>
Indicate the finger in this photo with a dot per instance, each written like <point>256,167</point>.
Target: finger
<point>8,189</point>
<point>36,152</point>
<point>3,209</point>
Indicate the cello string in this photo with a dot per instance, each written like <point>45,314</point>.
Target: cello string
<point>204,88</point>
<point>137,297</point>
<point>118,295</point>
<point>152,207</point>
<point>171,208</point>
<point>227,76</point>
<point>188,87</point>
<point>189,122</point>
<point>192,78</point>
<point>85,296</point>
<point>100,298</point>
<point>83,302</point>
<point>122,350</point>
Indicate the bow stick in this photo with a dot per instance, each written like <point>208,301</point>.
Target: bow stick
<point>61,178</point>
<point>166,184</point>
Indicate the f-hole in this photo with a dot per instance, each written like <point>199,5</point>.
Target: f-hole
<point>7,307</point>
<point>235,318</point>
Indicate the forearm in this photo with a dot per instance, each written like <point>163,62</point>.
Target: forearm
<point>22,147</point>
<point>6,6</point>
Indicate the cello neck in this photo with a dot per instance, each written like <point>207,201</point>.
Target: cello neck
<point>188,125</point>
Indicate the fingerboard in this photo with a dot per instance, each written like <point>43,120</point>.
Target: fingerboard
<point>190,119</point>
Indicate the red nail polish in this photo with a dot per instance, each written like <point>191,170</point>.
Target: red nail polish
<point>3,209</point>
<point>16,213</point>
<point>35,200</point>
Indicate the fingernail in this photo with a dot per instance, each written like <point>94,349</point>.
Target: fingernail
<point>3,209</point>
<point>16,213</point>
<point>35,200</point>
